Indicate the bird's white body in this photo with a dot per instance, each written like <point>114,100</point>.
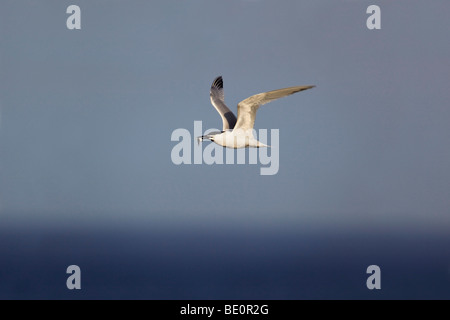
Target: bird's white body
<point>238,132</point>
<point>237,139</point>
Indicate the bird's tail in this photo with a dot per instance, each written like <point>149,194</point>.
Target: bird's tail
<point>262,145</point>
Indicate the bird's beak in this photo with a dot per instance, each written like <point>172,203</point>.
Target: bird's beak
<point>202,138</point>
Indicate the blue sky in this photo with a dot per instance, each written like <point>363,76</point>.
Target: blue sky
<point>87,115</point>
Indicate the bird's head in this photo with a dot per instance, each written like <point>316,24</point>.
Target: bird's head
<point>207,137</point>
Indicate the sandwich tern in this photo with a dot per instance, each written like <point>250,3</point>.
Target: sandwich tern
<point>238,133</point>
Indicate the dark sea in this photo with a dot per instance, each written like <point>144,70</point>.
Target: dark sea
<point>131,262</point>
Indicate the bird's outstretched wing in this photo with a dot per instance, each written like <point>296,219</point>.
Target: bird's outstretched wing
<point>218,101</point>
<point>247,108</point>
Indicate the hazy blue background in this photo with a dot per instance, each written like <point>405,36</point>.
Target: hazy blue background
<point>86,176</point>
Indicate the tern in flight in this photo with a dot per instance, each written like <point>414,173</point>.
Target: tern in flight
<point>238,133</point>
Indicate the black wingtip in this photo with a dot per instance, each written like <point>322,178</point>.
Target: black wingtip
<point>218,83</point>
